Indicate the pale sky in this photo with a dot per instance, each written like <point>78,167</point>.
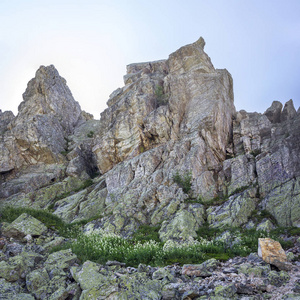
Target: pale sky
<point>90,43</point>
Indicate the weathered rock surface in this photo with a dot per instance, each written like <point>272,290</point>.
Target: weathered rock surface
<point>5,118</point>
<point>38,134</point>
<point>272,253</point>
<point>172,115</point>
<point>206,269</point>
<point>24,225</point>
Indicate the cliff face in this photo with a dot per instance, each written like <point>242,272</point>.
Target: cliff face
<point>173,116</point>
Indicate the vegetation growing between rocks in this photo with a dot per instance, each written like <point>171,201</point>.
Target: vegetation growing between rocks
<point>90,134</point>
<point>259,216</point>
<point>214,201</point>
<point>147,233</point>
<point>146,247</point>
<point>161,97</point>
<point>9,214</point>
<point>184,181</point>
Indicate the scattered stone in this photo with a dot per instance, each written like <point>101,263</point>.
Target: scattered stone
<point>13,249</point>
<point>115,263</point>
<point>28,238</point>
<point>290,256</point>
<point>265,225</point>
<point>36,281</point>
<point>203,270</point>
<point>246,289</point>
<point>3,242</point>
<point>230,270</point>
<point>228,291</point>
<point>162,274</point>
<point>291,297</point>
<point>278,278</point>
<point>63,259</point>
<point>254,270</point>
<point>56,242</point>
<point>296,288</point>
<point>189,295</point>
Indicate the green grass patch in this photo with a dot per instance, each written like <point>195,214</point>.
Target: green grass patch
<point>146,247</point>
<point>90,134</point>
<point>240,189</point>
<point>259,215</point>
<point>161,97</point>
<point>9,214</point>
<point>147,233</point>
<point>193,200</point>
<point>208,233</point>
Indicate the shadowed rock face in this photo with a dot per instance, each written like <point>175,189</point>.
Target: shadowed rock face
<point>172,115</point>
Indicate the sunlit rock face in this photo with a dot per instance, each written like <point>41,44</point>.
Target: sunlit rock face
<point>196,103</point>
<point>173,114</point>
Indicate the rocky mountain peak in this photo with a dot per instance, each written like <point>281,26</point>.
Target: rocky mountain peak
<point>46,117</point>
<point>164,101</point>
<point>48,94</point>
<point>189,57</point>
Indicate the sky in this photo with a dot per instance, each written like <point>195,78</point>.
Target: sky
<point>90,42</point>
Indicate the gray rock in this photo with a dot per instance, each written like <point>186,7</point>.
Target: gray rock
<point>204,270</point>
<point>296,288</point>
<point>63,259</point>
<point>228,291</point>
<point>278,278</point>
<point>23,225</point>
<point>5,118</point>
<point>288,112</point>
<point>45,118</point>
<point>274,112</point>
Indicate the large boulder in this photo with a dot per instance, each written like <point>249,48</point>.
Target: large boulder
<point>272,253</point>
<point>24,225</point>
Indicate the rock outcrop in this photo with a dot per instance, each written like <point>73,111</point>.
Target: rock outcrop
<point>173,116</point>
<point>46,117</point>
<point>169,151</point>
<point>38,136</point>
